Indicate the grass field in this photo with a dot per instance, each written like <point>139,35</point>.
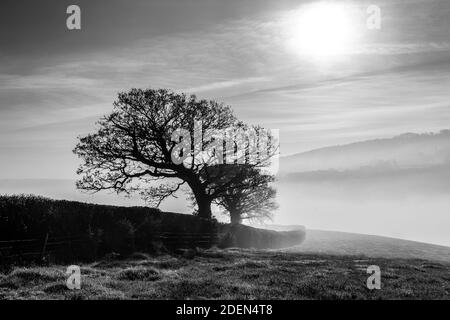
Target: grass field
<point>344,243</point>
<point>234,274</point>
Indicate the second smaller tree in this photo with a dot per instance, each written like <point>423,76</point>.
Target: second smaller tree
<point>252,198</point>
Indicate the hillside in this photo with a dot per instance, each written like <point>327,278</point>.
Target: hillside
<point>395,186</point>
<point>408,150</point>
<point>343,243</point>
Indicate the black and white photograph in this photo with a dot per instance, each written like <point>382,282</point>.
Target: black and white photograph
<point>223,155</point>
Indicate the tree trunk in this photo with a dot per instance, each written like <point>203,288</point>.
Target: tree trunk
<point>235,217</point>
<point>203,200</point>
<point>204,207</point>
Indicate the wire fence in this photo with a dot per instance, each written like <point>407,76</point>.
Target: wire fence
<point>40,248</point>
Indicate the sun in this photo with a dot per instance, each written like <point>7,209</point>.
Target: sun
<point>321,29</point>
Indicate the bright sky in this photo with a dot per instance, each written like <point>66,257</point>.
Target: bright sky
<point>256,56</point>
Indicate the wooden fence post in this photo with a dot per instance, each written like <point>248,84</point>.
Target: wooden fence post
<point>44,246</point>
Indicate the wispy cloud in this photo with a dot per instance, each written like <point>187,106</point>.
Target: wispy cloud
<point>393,80</point>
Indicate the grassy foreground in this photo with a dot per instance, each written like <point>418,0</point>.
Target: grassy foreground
<point>233,274</point>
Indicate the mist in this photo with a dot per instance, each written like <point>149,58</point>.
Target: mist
<point>366,207</point>
<point>395,187</point>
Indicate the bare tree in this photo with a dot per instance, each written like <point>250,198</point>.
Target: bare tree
<point>252,199</point>
<point>151,135</point>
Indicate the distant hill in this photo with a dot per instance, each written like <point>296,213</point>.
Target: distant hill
<point>343,243</point>
<point>409,150</point>
<point>403,181</point>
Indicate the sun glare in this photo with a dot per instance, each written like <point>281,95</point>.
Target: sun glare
<point>321,30</point>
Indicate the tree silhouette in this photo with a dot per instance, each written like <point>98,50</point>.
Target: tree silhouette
<point>252,199</point>
<point>152,135</point>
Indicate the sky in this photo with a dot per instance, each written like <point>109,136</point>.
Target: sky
<point>258,56</point>
<point>55,83</point>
